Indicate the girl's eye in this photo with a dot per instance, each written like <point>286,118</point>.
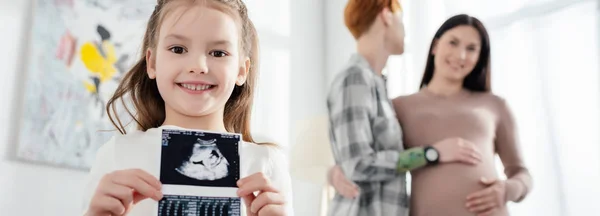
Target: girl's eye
<point>177,50</point>
<point>218,54</point>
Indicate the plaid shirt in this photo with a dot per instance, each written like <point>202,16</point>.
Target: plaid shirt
<point>366,141</point>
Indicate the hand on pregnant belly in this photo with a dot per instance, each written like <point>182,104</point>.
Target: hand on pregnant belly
<point>485,202</point>
<point>457,149</point>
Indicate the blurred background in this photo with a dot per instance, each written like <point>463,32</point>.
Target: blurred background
<point>545,62</point>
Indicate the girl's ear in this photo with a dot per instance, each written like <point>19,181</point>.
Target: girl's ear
<point>243,73</point>
<point>150,64</point>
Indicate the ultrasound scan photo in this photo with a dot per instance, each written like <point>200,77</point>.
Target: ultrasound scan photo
<point>199,171</point>
<point>200,159</point>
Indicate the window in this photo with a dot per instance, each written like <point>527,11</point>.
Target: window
<point>270,119</point>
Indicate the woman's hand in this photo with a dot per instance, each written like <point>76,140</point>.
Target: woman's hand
<point>118,191</point>
<point>458,150</point>
<point>267,202</point>
<point>341,184</point>
<point>485,202</point>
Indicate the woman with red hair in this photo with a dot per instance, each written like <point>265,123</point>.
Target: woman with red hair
<point>366,138</point>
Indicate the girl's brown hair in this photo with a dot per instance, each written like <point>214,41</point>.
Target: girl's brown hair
<point>148,104</point>
<point>359,15</point>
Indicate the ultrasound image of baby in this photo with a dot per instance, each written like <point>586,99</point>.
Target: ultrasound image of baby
<point>200,159</point>
<point>205,162</point>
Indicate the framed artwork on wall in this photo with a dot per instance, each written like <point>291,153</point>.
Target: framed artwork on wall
<point>78,52</point>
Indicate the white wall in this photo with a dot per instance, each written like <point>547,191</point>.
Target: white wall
<point>25,189</point>
<point>307,86</point>
<point>339,43</point>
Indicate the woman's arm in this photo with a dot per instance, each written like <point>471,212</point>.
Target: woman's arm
<point>349,105</point>
<point>348,189</point>
<point>519,181</point>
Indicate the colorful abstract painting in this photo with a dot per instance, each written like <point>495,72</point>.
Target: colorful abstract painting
<point>78,52</point>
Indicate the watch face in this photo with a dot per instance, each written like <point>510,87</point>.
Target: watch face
<point>431,155</point>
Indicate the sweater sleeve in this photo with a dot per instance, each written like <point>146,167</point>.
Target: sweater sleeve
<point>279,174</point>
<point>519,181</point>
<point>103,164</point>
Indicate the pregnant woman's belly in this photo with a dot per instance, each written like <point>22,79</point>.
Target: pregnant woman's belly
<point>442,190</point>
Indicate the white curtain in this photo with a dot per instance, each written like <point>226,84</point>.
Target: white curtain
<point>545,64</point>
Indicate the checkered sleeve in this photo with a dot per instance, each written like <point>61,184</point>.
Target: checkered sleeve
<point>352,107</point>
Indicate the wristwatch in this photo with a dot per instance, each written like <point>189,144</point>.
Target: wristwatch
<point>431,155</point>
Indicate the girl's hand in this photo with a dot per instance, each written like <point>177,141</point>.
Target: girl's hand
<point>118,191</point>
<point>267,202</point>
<point>458,150</point>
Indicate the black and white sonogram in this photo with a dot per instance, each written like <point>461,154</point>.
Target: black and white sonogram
<point>200,158</point>
<point>175,205</point>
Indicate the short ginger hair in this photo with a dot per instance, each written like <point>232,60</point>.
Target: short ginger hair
<point>359,15</point>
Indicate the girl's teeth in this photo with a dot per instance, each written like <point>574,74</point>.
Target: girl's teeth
<point>196,87</point>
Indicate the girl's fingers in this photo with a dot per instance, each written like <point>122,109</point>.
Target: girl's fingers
<point>259,176</point>
<point>139,185</point>
<point>248,200</point>
<point>150,179</point>
<point>120,192</point>
<point>270,210</point>
<point>111,205</point>
<point>253,183</point>
<point>266,198</point>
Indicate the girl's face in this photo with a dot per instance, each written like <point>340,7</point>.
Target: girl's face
<point>197,61</point>
<point>456,53</point>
